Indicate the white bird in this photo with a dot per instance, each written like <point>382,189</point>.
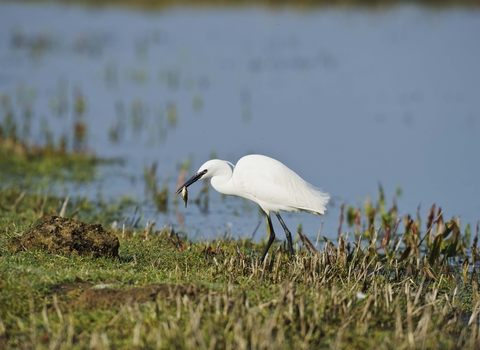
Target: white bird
<point>267,182</point>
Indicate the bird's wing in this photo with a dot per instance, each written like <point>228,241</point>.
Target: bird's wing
<point>277,188</point>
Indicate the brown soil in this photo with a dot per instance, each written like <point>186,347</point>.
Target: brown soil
<point>72,289</point>
<point>68,236</point>
<point>107,298</point>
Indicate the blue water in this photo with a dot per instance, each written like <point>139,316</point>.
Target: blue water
<point>347,98</point>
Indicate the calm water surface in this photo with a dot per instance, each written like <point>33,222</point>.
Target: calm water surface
<point>347,98</point>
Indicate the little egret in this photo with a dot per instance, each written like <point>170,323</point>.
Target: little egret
<point>267,182</point>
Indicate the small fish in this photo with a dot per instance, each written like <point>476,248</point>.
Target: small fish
<point>185,195</point>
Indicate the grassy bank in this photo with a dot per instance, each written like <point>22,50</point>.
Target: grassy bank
<point>163,291</point>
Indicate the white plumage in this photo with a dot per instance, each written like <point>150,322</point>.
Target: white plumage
<point>267,182</point>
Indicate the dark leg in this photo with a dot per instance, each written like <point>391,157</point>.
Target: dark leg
<point>271,238</point>
<point>287,233</point>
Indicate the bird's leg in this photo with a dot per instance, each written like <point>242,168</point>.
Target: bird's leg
<point>287,233</point>
<point>271,238</point>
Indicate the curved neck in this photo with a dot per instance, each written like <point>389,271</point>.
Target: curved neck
<point>223,184</point>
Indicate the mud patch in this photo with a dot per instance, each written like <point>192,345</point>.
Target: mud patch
<point>107,298</point>
<point>68,236</point>
<point>70,288</point>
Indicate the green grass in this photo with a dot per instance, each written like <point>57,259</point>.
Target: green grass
<point>339,297</point>
<point>392,286</point>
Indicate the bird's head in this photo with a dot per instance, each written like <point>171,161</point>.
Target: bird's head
<point>211,168</point>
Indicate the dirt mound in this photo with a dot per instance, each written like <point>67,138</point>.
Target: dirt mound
<point>107,298</point>
<point>68,236</point>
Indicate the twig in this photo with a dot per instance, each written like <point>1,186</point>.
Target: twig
<point>318,234</point>
<point>342,208</point>
<point>19,199</point>
<point>64,207</point>
<point>133,217</point>
<point>256,228</point>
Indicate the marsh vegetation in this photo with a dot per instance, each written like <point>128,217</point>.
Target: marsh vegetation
<point>395,286</point>
<point>96,252</point>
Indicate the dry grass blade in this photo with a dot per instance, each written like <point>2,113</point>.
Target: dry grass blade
<point>437,220</point>
<point>306,242</point>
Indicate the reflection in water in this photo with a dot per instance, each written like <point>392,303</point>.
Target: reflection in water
<point>350,98</point>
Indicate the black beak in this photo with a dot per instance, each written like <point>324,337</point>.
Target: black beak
<point>192,180</point>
